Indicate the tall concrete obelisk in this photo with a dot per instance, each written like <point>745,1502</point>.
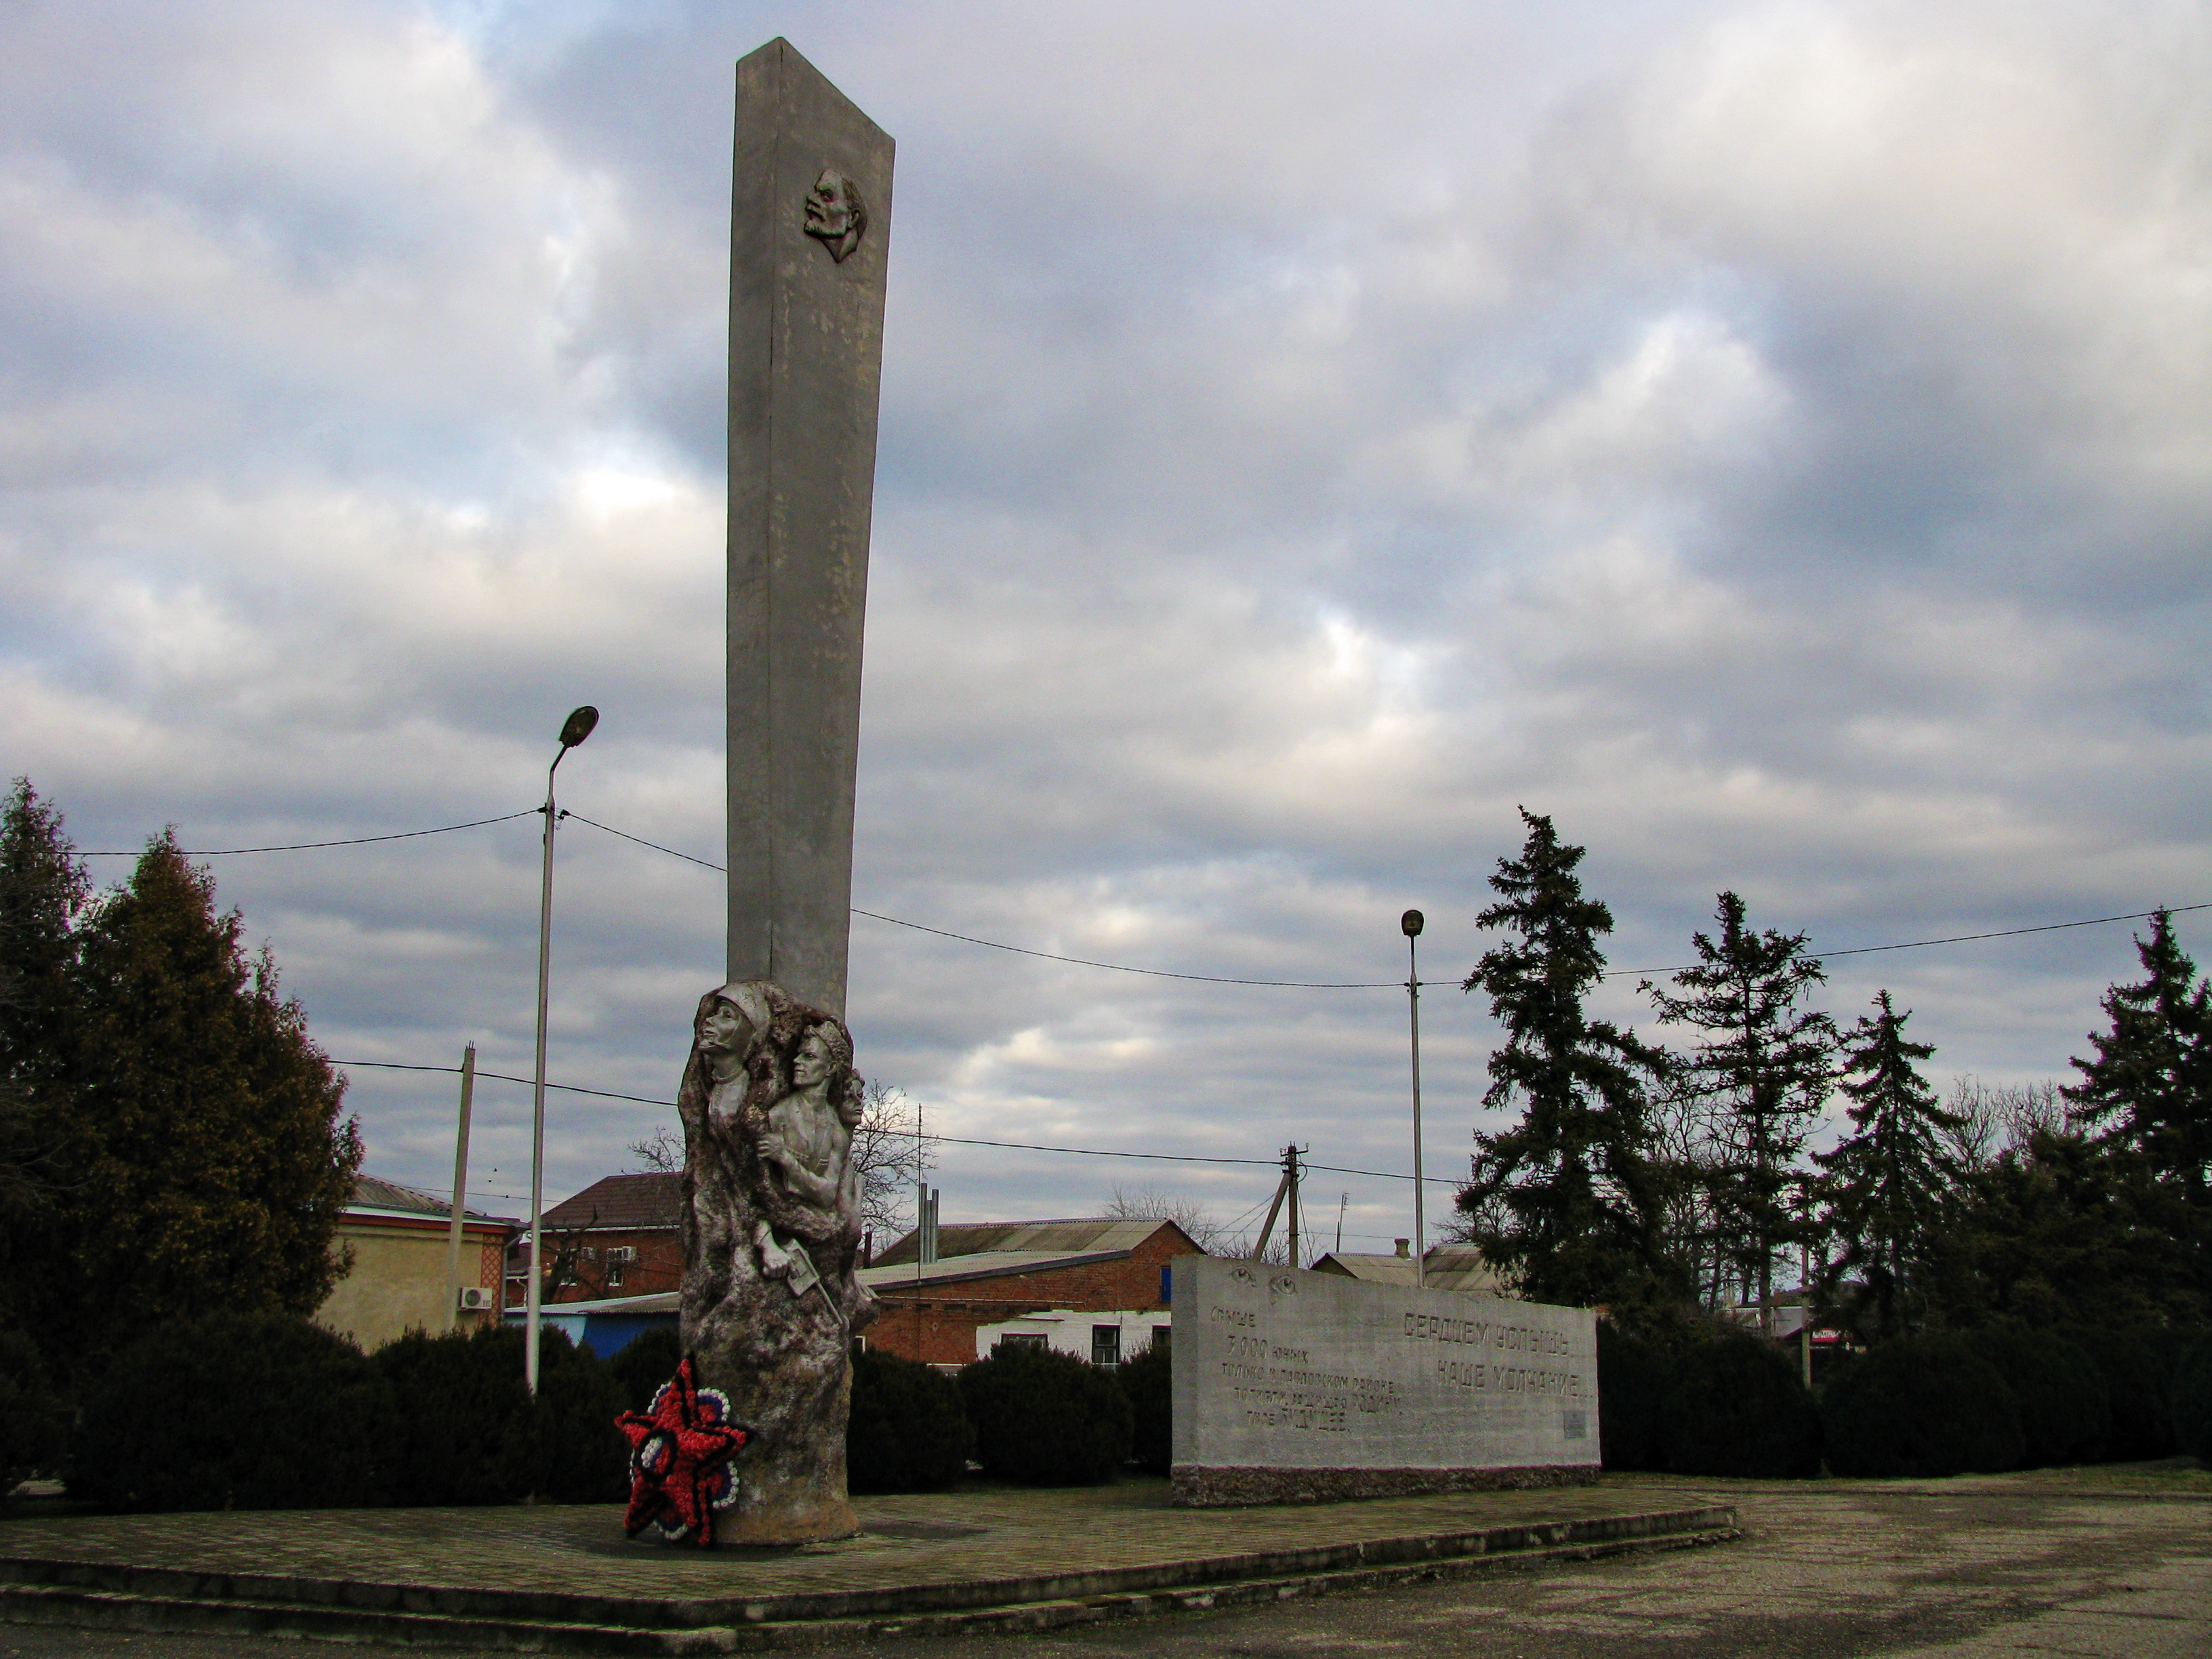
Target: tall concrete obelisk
<point>810,232</point>
<point>771,1300</point>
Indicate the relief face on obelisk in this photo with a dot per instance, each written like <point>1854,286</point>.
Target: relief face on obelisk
<point>836,214</point>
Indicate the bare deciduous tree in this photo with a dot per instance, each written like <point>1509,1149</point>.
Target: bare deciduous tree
<point>1148,1203</point>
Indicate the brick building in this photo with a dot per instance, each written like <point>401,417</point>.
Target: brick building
<point>620,1236</point>
<point>990,1272</point>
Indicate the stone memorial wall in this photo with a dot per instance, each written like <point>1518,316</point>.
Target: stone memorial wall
<point>1296,1386</point>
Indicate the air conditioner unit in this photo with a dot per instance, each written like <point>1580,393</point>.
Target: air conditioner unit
<point>475,1300</point>
<point>621,1253</point>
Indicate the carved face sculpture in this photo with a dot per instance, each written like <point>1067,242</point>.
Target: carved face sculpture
<point>813,1062</point>
<point>722,1028</point>
<point>835,212</point>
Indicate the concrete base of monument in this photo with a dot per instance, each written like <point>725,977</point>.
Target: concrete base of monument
<point>1237,1488</point>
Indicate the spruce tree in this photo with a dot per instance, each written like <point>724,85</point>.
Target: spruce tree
<point>1890,1184</point>
<point>1757,1079</point>
<point>2149,1087</point>
<point>1565,1203</point>
<point>42,889</point>
<point>211,1165</point>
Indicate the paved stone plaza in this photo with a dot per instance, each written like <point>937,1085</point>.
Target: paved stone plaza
<point>2112,1563</point>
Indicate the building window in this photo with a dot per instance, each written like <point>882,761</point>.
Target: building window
<point>614,1275</point>
<point>1020,1339</point>
<point>1105,1345</point>
<point>1161,1334</point>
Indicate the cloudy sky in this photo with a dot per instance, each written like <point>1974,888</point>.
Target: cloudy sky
<point>1772,438</point>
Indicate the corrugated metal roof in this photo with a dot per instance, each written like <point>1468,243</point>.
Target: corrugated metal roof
<point>623,1203</point>
<point>981,1264</point>
<point>1096,1233</point>
<point>1450,1267</point>
<point>374,1193</point>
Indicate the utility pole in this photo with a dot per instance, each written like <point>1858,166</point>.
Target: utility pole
<point>1341,1204</point>
<point>1805,1294</point>
<point>460,1194</point>
<point>1290,1181</point>
<point>1410,924</point>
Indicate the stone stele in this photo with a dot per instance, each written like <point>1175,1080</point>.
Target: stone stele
<point>1295,1386</point>
<point>771,1235</point>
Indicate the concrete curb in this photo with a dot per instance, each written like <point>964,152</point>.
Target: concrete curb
<point>123,1597</point>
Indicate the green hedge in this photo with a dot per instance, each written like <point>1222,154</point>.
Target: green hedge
<point>1046,1417</point>
<point>1148,1380</point>
<point>235,1410</point>
<point>908,1431</point>
<point>1920,1406</point>
<point>2065,1408</point>
<point>649,1360</point>
<point>2192,1401</point>
<point>2137,1364</point>
<point>33,1423</point>
<point>1738,1408</point>
<point>267,1411</point>
<point>1633,1379</point>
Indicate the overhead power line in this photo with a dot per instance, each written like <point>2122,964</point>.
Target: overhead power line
<point>304,846</point>
<point>1119,967</point>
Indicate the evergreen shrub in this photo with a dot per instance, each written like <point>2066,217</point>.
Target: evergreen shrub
<point>235,1411</point>
<point>1633,1378</point>
<point>33,1426</point>
<point>2137,1363</point>
<point>2065,1409</point>
<point>1919,1405</point>
<point>1148,1380</point>
<point>1046,1417</point>
<point>1737,1407</point>
<point>908,1431</point>
<point>467,1431</point>
<point>2192,1401</point>
<point>648,1360</point>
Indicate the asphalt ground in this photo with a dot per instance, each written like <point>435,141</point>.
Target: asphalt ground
<point>2111,1563</point>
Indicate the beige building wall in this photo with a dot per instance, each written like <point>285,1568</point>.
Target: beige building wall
<point>397,1283</point>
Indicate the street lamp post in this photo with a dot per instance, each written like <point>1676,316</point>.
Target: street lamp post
<point>1410,924</point>
<point>574,731</point>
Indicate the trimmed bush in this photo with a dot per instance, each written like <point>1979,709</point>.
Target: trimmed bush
<point>649,1360</point>
<point>1920,1406</point>
<point>1737,1407</point>
<point>462,1417</point>
<point>468,1433</point>
<point>1148,1380</point>
<point>32,1425</point>
<point>2192,1401</point>
<point>2137,1362</point>
<point>2065,1410</point>
<point>908,1431</point>
<point>235,1410</point>
<point>1633,1377</point>
<point>1046,1417</point>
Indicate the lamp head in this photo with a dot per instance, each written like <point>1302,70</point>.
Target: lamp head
<point>1410,924</point>
<point>578,726</point>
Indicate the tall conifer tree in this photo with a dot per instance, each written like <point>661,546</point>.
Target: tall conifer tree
<point>2149,1086</point>
<point>1565,1202</point>
<point>1890,1182</point>
<point>212,1165</point>
<point>1758,1078</point>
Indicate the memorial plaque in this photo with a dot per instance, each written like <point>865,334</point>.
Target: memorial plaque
<point>1295,1386</point>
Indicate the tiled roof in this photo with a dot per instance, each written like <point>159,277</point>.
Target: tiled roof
<point>624,1203</point>
<point>1058,1237</point>
<point>374,1193</point>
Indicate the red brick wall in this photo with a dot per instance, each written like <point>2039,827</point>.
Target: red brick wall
<point>940,1326</point>
<point>658,1266</point>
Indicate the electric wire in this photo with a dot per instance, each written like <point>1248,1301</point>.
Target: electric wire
<point>305,846</point>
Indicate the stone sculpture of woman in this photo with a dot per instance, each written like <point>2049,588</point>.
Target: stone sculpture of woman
<point>771,1236</point>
